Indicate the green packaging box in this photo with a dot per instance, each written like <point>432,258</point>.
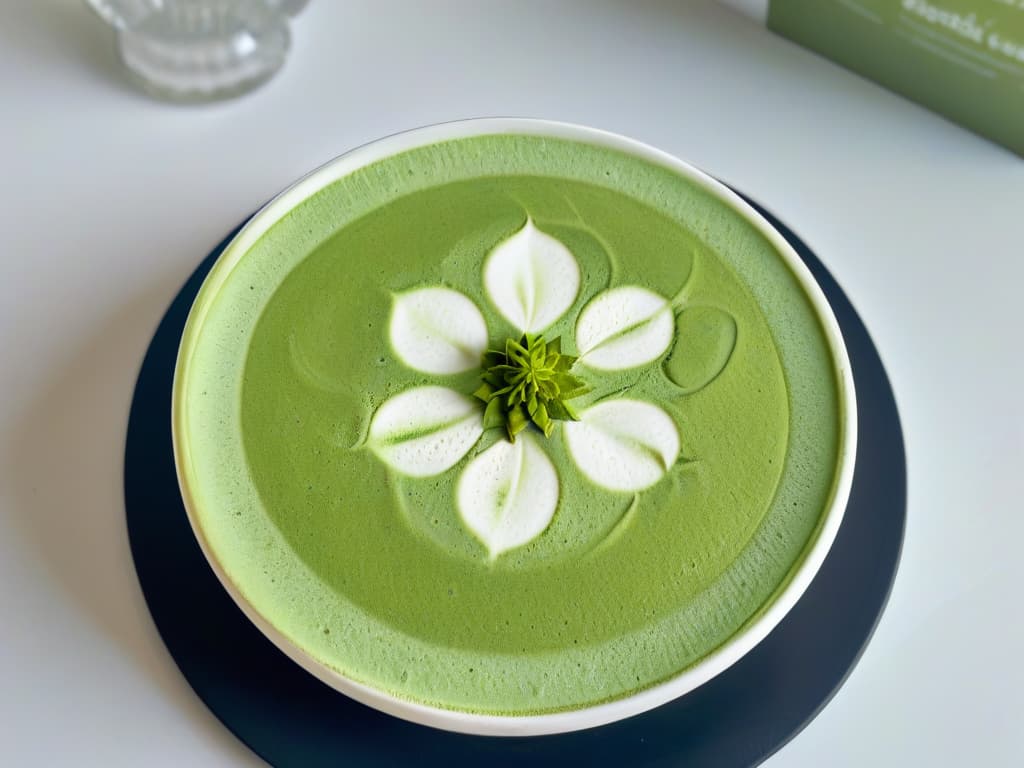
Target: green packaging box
<point>962,58</point>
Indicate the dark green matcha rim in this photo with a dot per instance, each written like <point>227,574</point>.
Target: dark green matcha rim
<point>743,640</point>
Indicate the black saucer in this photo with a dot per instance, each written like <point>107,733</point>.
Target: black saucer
<point>739,718</point>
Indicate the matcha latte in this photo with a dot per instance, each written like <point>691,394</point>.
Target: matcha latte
<point>512,427</point>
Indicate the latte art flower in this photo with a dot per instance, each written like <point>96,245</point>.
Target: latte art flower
<point>508,493</point>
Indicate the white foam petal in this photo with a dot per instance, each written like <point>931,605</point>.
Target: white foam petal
<point>426,430</point>
<point>437,330</point>
<point>508,494</point>
<point>624,327</point>
<point>531,278</point>
<point>623,445</point>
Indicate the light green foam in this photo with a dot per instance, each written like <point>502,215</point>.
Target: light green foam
<point>371,573</point>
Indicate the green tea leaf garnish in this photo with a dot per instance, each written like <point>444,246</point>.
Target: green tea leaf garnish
<point>528,382</point>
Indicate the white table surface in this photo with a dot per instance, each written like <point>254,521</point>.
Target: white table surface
<point>108,200</point>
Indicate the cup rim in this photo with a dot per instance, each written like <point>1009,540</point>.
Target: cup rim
<point>733,649</point>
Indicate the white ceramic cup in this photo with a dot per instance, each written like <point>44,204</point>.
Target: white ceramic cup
<point>641,701</point>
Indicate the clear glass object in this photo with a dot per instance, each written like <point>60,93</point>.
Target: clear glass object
<point>200,50</point>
